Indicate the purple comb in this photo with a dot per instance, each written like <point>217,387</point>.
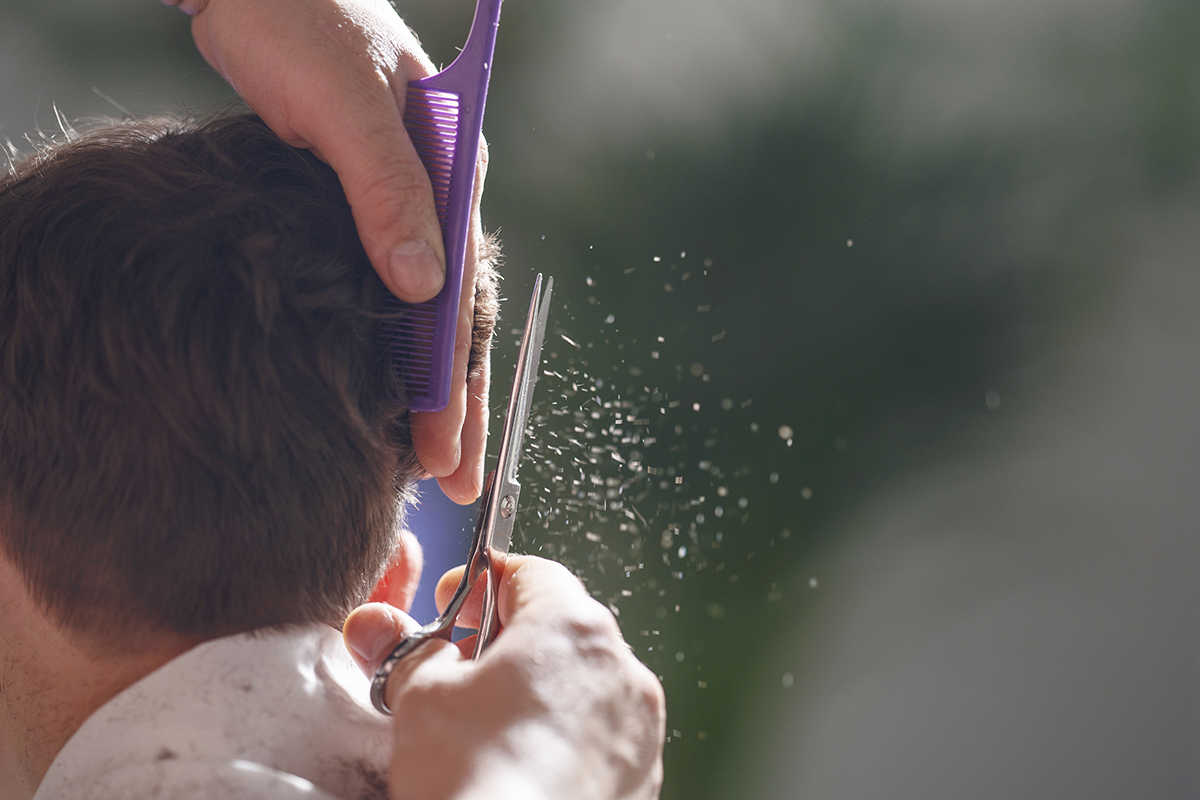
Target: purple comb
<point>444,117</point>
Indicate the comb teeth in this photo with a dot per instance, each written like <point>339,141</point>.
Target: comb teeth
<point>410,336</point>
<point>443,115</point>
<point>431,118</point>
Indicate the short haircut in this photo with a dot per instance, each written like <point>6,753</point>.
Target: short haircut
<point>198,431</point>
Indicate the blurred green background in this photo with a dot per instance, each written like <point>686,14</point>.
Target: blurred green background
<point>871,394</point>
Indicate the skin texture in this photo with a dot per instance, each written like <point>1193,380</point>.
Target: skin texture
<point>331,76</point>
<point>51,682</point>
<point>558,706</point>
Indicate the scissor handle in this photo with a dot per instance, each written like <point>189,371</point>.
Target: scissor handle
<point>497,512</point>
<point>407,646</point>
<point>478,562</point>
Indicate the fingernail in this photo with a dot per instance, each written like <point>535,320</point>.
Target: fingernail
<point>416,273</point>
<point>371,637</point>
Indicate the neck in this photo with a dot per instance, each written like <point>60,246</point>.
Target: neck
<point>51,681</point>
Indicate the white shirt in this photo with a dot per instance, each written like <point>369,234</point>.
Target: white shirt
<point>271,716</point>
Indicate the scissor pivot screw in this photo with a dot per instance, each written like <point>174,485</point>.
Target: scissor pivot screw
<point>506,506</point>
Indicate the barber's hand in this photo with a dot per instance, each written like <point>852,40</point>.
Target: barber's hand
<point>331,76</point>
<point>558,707</point>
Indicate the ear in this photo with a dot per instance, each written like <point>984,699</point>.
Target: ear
<point>398,586</point>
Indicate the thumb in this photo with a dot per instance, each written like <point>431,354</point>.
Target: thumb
<point>372,631</point>
<point>389,193</point>
<point>345,100</point>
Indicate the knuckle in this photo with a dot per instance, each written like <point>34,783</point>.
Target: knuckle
<point>652,696</point>
<point>421,703</point>
<point>568,577</point>
<point>594,628</point>
<point>397,185</point>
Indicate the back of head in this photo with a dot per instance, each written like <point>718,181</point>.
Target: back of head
<point>196,431</point>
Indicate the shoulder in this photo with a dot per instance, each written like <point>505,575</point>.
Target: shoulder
<point>270,715</point>
<point>178,779</point>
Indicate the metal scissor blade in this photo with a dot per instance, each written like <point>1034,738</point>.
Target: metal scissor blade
<point>497,508</point>
<point>539,312</point>
<point>506,490</point>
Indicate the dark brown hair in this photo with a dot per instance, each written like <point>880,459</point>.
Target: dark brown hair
<point>197,430</point>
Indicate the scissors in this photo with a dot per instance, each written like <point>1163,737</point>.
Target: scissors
<point>497,510</point>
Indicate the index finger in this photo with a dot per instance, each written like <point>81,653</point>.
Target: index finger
<point>388,189</point>
<point>450,443</point>
<point>538,589</point>
<point>526,581</point>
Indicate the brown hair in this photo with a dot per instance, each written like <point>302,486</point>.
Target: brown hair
<point>197,431</point>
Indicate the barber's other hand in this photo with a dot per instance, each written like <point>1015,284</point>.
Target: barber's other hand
<point>332,75</point>
<point>558,707</point>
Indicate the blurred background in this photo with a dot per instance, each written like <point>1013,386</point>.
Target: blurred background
<point>870,402</point>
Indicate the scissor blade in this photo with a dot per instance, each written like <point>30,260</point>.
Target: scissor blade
<point>527,375</point>
<point>498,508</point>
<point>506,490</point>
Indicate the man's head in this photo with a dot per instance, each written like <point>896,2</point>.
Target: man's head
<point>198,432</point>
